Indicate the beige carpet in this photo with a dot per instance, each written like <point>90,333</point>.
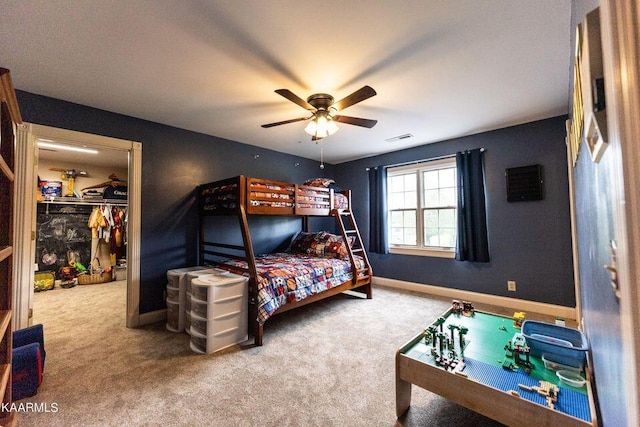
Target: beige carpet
<point>327,364</point>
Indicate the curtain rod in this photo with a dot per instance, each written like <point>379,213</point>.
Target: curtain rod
<point>415,162</point>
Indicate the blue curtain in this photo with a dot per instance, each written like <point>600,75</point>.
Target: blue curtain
<point>378,239</point>
<point>473,242</point>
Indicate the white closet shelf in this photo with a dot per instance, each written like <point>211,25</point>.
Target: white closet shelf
<point>75,201</point>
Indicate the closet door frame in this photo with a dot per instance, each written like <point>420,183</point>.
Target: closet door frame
<point>26,155</point>
<point>620,39</point>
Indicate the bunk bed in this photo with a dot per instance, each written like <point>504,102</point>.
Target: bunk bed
<point>316,266</point>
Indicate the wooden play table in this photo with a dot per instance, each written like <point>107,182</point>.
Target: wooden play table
<point>489,381</point>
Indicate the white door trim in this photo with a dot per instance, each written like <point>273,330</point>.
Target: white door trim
<point>620,41</point>
<point>24,227</point>
<point>28,133</point>
<point>134,241</point>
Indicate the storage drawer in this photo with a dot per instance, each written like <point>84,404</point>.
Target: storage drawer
<point>173,316</point>
<point>173,294</point>
<point>218,323</point>
<point>187,303</point>
<point>201,273</point>
<point>187,322</point>
<point>214,287</point>
<point>176,275</point>
<point>207,310</point>
<point>208,344</point>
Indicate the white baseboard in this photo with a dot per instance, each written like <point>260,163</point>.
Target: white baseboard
<point>152,317</point>
<point>476,297</point>
<point>514,303</point>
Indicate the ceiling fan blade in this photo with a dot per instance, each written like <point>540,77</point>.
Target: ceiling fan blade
<point>365,123</point>
<point>295,98</point>
<point>299,119</point>
<point>357,96</point>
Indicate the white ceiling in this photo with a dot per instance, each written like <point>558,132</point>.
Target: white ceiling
<point>103,157</point>
<point>442,68</point>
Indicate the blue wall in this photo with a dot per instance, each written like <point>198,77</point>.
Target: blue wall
<point>174,162</point>
<point>600,308</point>
<point>530,242</point>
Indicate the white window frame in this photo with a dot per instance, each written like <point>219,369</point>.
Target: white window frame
<point>420,249</point>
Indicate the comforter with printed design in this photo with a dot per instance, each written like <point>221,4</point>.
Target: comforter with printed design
<point>285,277</point>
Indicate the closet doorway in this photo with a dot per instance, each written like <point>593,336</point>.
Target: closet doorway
<point>65,180</point>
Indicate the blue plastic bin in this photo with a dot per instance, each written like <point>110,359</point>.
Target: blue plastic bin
<point>560,344</point>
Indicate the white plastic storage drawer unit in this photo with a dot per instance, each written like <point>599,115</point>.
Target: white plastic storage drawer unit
<point>176,280</point>
<point>221,323</point>
<point>173,316</point>
<point>187,313</point>
<point>174,276</point>
<point>173,294</point>
<point>218,312</point>
<point>216,342</point>
<point>187,303</point>
<point>186,307</point>
<point>207,271</point>
<point>210,288</point>
<point>207,310</point>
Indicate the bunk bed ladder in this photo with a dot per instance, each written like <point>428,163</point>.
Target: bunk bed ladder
<point>362,274</point>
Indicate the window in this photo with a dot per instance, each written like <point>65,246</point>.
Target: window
<point>422,204</point>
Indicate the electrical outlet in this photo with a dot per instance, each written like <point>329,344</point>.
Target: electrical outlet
<point>511,285</point>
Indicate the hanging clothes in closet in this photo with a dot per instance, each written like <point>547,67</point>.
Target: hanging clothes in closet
<point>107,233</point>
<point>118,229</point>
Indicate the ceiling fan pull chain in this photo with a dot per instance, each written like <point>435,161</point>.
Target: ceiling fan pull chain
<point>321,157</point>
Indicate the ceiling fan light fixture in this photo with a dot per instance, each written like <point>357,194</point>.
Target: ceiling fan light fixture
<point>332,127</point>
<point>324,109</point>
<point>321,126</point>
<point>311,127</point>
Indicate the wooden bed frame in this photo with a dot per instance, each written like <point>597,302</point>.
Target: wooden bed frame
<point>243,196</point>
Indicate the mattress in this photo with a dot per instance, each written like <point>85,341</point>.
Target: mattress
<point>285,277</point>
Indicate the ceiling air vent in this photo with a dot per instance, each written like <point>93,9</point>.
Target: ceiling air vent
<point>399,137</point>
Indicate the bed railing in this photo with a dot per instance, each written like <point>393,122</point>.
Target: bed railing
<point>268,197</point>
<point>221,197</point>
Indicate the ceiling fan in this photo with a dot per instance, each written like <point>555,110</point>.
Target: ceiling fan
<point>323,111</point>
